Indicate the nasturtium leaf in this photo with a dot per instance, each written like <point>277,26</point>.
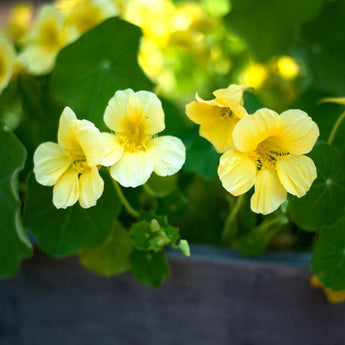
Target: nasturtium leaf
<point>64,232</point>
<point>328,260</point>
<point>325,202</point>
<point>202,158</point>
<point>321,43</point>
<point>149,267</point>
<point>100,62</point>
<point>112,256</point>
<point>14,244</point>
<point>160,186</point>
<point>270,26</point>
<point>255,241</point>
<point>141,234</point>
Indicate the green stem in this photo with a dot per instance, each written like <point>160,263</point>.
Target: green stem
<point>335,128</point>
<point>125,202</point>
<point>227,231</point>
<point>149,190</point>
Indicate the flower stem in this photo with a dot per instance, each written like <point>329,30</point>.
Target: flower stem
<point>335,128</point>
<point>125,202</point>
<point>228,227</point>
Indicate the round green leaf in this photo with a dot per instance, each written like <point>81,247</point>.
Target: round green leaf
<point>149,267</point>
<point>328,260</point>
<point>325,201</point>
<point>14,244</point>
<point>64,232</point>
<point>112,257</point>
<point>102,61</point>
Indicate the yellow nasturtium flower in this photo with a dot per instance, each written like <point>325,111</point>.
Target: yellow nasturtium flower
<point>88,13</point>
<point>43,42</point>
<point>218,117</point>
<point>7,62</point>
<point>71,165</point>
<point>269,154</point>
<point>134,151</point>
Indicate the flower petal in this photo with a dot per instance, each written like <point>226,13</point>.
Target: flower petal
<point>237,172</point>
<point>201,111</point>
<point>300,132</point>
<point>66,189</point>
<point>146,108</point>
<point>133,169</point>
<point>50,162</point>
<point>168,154</point>
<point>232,97</point>
<point>219,132</point>
<point>116,109</point>
<point>91,188</point>
<point>296,173</point>
<point>66,131</point>
<point>269,192</point>
<point>7,62</point>
<point>91,142</point>
<point>253,129</point>
<point>113,150</point>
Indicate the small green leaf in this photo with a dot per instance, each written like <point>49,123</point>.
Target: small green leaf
<point>325,201</point>
<point>112,257</point>
<point>149,267</point>
<point>64,232</point>
<point>328,260</point>
<point>141,234</point>
<point>254,242</point>
<point>100,62</point>
<point>14,244</point>
<point>184,247</point>
<point>202,158</point>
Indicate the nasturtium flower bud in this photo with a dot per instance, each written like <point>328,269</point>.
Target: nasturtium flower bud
<point>269,153</point>
<point>218,117</point>
<point>134,151</point>
<point>71,165</point>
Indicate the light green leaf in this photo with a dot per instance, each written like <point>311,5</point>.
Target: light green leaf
<point>64,232</point>
<point>14,244</point>
<point>112,257</point>
<point>325,201</point>
<point>102,61</point>
<point>269,26</point>
<point>149,267</point>
<point>328,260</point>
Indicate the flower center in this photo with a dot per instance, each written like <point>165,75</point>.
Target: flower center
<point>225,112</point>
<point>50,35</point>
<point>134,137</point>
<point>266,157</point>
<point>2,67</point>
<point>78,160</point>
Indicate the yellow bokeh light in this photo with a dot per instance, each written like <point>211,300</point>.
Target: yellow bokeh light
<point>287,67</point>
<point>254,75</point>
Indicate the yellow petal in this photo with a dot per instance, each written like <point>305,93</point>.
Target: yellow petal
<point>66,190</point>
<point>201,111</point>
<point>232,97</point>
<point>113,150</point>
<point>168,154</point>
<point>91,188</point>
<point>145,107</point>
<point>237,172</point>
<point>269,192</point>
<point>296,173</point>
<point>7,61</point>
<point>50,161</point>
<point>253,129</point>
<point>91,142</point>
<point>66,131</point>
<point>300,132</point>
<point>219,132</point>
<point>133,169</point>
<point>37,60</point>
<point>116,110</point>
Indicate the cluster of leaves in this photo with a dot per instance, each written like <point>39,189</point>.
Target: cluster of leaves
<point>109,241</point>
<point>30,111</point>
